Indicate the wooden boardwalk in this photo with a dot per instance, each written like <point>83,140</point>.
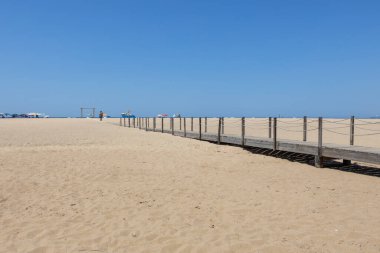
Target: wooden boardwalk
<point>321,152</point>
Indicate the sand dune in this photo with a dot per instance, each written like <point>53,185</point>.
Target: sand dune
<point>80,185</point>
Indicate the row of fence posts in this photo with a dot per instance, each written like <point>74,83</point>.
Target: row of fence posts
<point>139,122</point>
<point>272,130</point>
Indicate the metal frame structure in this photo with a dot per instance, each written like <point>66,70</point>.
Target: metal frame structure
<point>82,109</point>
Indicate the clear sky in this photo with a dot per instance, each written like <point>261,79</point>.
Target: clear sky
<point>197,58</point>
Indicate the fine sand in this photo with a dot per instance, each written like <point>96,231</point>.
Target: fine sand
<point>80,185</point>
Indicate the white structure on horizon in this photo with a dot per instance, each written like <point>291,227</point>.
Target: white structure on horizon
<point>37,115</point>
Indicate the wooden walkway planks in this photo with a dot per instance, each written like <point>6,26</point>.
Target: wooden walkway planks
<point>356,153</point>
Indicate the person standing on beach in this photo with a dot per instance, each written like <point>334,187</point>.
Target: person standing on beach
<point>101,115</point>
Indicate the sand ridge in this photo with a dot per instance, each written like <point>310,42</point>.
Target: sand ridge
<point>79,185</point>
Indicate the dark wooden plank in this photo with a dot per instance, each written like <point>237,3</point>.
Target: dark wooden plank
<point>236,140</point>
<point>297,147</point>
<point>361,154</point>
<point>209,137</point>
<point>258,142</point>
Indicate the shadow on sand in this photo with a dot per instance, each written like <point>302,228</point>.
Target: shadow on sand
<point>309,159</point>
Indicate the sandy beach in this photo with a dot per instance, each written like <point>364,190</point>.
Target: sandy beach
<point>80,185</point>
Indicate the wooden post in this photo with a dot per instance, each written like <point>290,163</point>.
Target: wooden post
<point>134,122</point>
<point>319,158</point>
<point>146,124</point>
<point>180,123</point>
<point>222,125</point>
<point>352,130</point>
<point>219,129</point>
<point>154,124</point>
<point>162,125</point>
<point>124,123</point>
<point>192,125</point>
<point>304,128</point>
<point>129,122</point>
<point>139,123</point>
<point>200,128</point>
<point>242,131</point>
<point>274,133</point>
<point>352,135</point>
<point>270,127</point>
<point>184,126</point>
<point>205,124</point>
<point>172,120</point>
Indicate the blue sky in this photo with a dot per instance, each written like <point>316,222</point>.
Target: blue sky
<point>198,58</point>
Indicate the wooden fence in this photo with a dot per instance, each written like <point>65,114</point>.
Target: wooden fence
<point>188,128</point>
